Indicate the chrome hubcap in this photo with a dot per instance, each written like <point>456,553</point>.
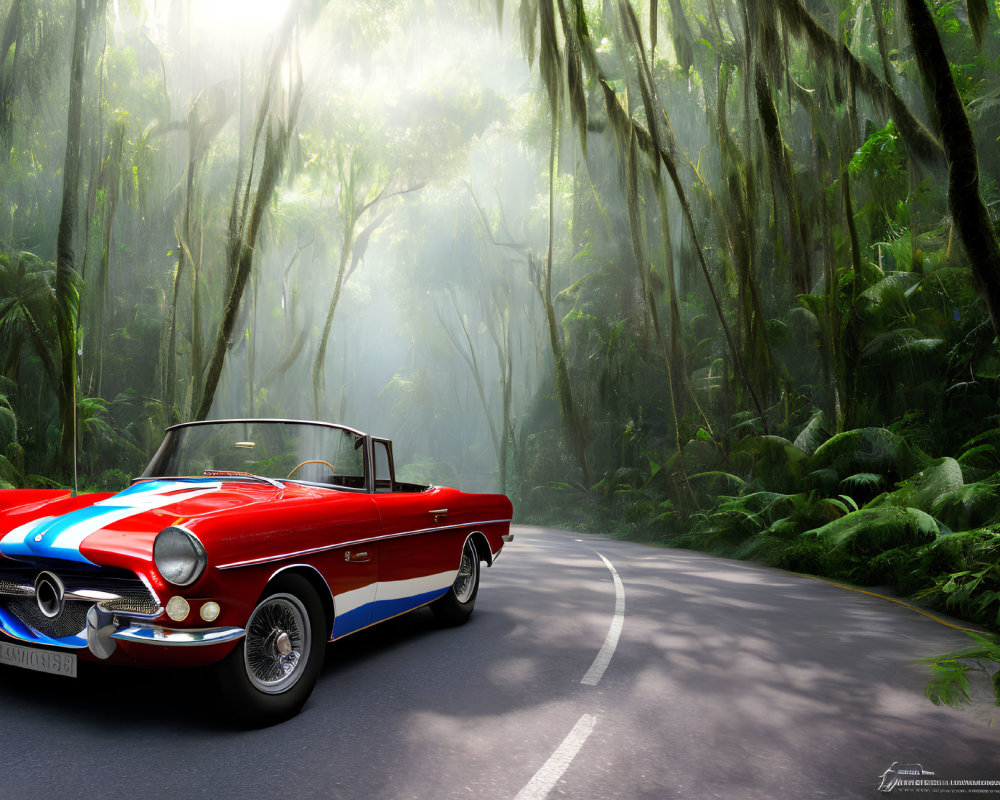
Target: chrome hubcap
<point>277,643</point>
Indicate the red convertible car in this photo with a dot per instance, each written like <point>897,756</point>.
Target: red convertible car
<point>245,545</point>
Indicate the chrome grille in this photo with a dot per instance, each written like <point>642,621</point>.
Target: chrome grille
<point>134,603</point>
<point>12,587</point>
<point>71,622</point>
<point>17,596</point>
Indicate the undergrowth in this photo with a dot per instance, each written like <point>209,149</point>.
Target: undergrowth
<point>863,507</point>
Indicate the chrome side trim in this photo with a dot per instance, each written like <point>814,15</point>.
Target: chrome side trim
<point>312,551</point>
<point>178,637</point>
<point>287,567</point>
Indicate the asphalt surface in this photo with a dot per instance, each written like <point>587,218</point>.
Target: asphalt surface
<point>728,681</point>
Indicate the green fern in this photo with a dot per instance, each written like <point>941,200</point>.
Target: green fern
<point>950,685</point>
<point>968,506</point>
<point>926,489</point>
<point>867,481</point>
<point>874,450</point>
<point>812,435</point>
<point>873,530</point>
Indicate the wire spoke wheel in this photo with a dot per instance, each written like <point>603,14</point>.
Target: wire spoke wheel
<point>465,581</point>
<point>278,643</point>
<point>270,674</point>
<point>456,605</point>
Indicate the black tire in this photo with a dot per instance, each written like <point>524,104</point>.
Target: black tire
<point>455,607</point>
<point>271,672</point>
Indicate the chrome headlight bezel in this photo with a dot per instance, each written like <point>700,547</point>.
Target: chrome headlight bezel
<point>179,556</point>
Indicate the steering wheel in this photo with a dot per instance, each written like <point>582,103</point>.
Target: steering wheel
<point>311,461</point>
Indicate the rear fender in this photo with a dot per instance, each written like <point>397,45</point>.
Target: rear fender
<point>482,547</point>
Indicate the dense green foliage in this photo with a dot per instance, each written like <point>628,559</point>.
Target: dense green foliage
<point>725,278</point>
<point>823,396</point>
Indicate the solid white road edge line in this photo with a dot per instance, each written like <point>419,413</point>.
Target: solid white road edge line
<point>607,650</point>
<point>552,770</point>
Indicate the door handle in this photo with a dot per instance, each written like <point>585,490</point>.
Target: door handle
<point>439,513</point>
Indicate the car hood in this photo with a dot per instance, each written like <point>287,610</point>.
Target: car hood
<point>69,528</point>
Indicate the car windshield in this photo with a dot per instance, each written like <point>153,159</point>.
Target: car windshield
<point>302,451</point>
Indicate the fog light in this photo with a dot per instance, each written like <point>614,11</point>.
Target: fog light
<point>178,609</point>
<point>210,612</point>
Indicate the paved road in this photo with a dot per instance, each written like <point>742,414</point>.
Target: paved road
<point>728,680</point>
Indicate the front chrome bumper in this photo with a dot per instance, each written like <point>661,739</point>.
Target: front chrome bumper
<point>74,608</point>
<point>106,628</point>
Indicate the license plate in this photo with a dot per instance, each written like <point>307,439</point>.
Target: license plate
<point>39,660</point>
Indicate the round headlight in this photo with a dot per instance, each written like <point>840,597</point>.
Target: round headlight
<point>179,556</point>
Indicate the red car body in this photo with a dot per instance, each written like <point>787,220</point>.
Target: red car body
<point>367,546</point>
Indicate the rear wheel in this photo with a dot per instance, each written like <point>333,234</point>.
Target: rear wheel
<point>270,674</point>
<point>455,607</point>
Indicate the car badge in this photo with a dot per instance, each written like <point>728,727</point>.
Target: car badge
<point>39,537</point>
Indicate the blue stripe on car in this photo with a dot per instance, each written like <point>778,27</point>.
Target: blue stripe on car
<point>61,537</point>
<point>384,609</point>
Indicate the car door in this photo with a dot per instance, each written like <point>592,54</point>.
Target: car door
<point>351,570</point>
<point>353,587</point>
<point>419,553</point>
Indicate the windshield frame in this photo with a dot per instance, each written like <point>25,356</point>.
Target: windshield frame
<point>367,454</point>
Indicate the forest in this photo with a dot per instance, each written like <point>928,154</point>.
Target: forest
<point>720,274</point>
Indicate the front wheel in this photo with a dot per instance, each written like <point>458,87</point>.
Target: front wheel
<point>455,607</point>
<point>270,674</point>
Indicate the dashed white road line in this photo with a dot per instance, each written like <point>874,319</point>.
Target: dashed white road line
<point>552,770</point>
<point>607,650</point>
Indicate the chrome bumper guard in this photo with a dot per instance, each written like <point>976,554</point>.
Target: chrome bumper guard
<point>178,637</point>
<point>106,628</point>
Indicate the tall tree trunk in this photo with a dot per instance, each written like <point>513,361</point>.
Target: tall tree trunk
<point>183,256</point>
<point>247,212</point>
<point>240,260</point>
<point>320,360</point>
<point>780,160</point>
<point>649,283</point>
<point>197,331</point>
<point>883,46</point>
<point>972,220</point>
<point>570,414</point>
<point>66,279</point>
<point>506,359</point>
<point>111,181</point>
